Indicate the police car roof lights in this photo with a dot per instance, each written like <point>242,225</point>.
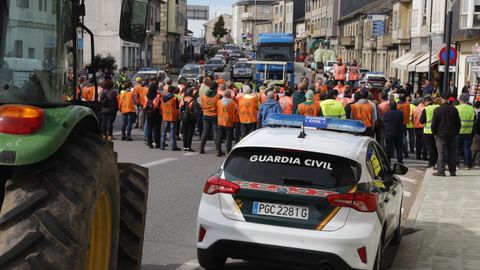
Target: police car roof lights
<point>327,123</point>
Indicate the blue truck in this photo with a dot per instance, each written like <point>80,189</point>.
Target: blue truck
<point>274,58</point>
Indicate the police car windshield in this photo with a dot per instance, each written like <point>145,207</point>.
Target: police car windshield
<point>291,168</point>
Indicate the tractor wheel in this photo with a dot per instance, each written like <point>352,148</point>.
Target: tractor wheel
<point>133,210</point>
<point>63,213</point>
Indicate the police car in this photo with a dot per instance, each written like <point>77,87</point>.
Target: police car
<point>320,198</point>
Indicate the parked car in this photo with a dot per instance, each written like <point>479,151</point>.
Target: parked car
<point>216,64</point>
<point>192,72</point>
<point>241,70</point>
<point>300,58</point>
<point>375,82</point>
<point>236,54</point>
<point>328,67</point>
<point>225,53</point>
<point>146,73</point>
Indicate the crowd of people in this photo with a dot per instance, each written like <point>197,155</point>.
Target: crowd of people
<point>403,123</point>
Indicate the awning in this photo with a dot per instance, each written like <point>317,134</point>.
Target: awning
<point>413,65</point>
<point>423,67</point>
<point>403,61</point>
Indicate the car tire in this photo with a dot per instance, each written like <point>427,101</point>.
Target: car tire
<point>397,238</point>
<point>210,261</point>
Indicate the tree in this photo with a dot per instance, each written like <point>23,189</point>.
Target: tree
<point>108,62</point>
<point>219,30</point>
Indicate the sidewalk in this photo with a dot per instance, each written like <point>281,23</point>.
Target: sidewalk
<point>447,227</point>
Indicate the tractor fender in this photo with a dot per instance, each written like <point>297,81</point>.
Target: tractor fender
<point>18,150</point>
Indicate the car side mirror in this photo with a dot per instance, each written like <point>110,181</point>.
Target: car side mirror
<point>133,20</point>
<point>399,169</point>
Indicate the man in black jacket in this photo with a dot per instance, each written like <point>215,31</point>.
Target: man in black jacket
<point>446,126</point>
<point>393,122</point>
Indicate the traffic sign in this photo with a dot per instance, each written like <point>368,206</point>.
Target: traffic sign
<point>473,59</point>
<point>450,68</point>
<point>453,56</point>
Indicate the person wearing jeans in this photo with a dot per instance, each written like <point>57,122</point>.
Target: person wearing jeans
<point>210,114</point>
<point>464,139</point>
<point>248,111</point>
<point>170,114</point>
<point>128,119</point>
<point>108,100</point>
<point>191,107</point>
<point>227,116</point>
<point>393,122</point>
<point>446,126</point>
<point>126,105</point>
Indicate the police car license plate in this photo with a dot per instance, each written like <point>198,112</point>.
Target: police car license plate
<point>280,210</point>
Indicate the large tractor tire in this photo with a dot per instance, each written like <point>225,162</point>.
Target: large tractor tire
<point>133,211</point>
<point>63,213</point>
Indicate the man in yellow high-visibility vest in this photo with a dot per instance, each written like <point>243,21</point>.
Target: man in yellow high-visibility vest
<point>464,139</point>
<point>428,138</point>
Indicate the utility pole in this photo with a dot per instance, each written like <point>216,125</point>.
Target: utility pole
<point>430,45</point>
<point>448,41</point>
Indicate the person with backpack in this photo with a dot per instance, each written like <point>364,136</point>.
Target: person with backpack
<point>189,110</point>
<point>153,117</point>
<point>170,112</point>
<point>108,101</point>
<point>227,117</point>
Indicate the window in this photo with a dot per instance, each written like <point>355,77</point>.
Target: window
<point>23,3</point>
<point>31,53</point>
<point>40,5</point>
<point>281,10</point>
<point>18,48</point>
<point>424,13</point>
<point>276,10</point>
<point>470,14</point>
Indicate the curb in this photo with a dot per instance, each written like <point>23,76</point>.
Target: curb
<point>412,216</point>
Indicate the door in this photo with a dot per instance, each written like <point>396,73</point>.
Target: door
<point>393,188</point>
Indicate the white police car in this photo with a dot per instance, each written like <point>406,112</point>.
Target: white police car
<point>321,198</point>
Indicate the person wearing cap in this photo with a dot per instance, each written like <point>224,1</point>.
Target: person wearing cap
<point>464,139</point>
<point>309,107</point>
<point>366,112</point>
<point>227,117</point>
<point>339,71</point>
<point>286,102</point>
<point>269,107</point>
<point>446,126</point>
<point>248,111</point>
<point>331,107</point>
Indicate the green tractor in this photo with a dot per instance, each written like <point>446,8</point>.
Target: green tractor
<point>65,202</point>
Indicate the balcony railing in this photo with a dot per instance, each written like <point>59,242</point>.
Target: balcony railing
<point>260,16</point>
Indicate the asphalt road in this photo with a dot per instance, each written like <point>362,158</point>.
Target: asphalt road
<point>176,184</point>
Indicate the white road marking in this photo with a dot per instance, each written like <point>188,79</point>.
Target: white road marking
<point>158,162</point>
<point>407,194</point>
<point>190,265</point>
<point>413,181</point>
<point>190,154</point>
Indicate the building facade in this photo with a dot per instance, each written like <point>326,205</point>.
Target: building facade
<point>251,17</point>
<point>321,18</point>
<point>209,26</point>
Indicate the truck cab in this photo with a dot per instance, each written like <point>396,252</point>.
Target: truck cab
<point>275,47</point>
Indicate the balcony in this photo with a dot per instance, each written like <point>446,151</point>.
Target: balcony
<point>387,41</point>
<point>401,36</point>
<point>348,41</point>
<point>260,16</point>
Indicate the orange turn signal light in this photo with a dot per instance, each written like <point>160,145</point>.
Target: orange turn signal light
<point>20,119</point>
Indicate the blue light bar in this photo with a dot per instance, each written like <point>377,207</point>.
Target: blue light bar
<point>316,122</point>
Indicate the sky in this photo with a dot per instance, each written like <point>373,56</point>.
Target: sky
<point>217,7</point>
